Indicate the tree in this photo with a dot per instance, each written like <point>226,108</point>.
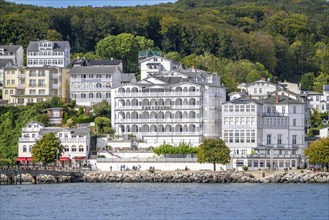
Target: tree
<point>318,152</point>
<point>306,81</point>
<point>213,150</point>
<point>47,149</point>
<point>320,81</point>
<point>174,56</point>
<point>124,47</point>
<point>53,35</point>
<point>101,123</point>
<point>102,108</point>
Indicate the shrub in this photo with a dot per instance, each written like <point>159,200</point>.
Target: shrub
<point>245,168</point>
<point>101,156</point>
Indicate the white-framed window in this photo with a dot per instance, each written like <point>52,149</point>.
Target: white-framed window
<point>35,62</point>
<point>294,121</point>
<point>268,139</point>
<point>74,148</point>
<point>279,139</point>
<point>42,91</point>
<point>294,139</point>
<point>32,91</point>
<point>81,149</point>
<point>24,148</point>
<point>29,62</point>
<point>294,108</point>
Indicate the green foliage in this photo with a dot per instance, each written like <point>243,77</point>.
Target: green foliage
<point>245,168</point>
<point>43,118</point>
<point>47,149</point>
<point>318,152</point>
<point>101,123</point>
<point>320,81</point>
<point>213,151</point>
<point>174,56</point>
<point>306,81</point>
<point>182,148</point>
<point>124,47</point>
<point>102,108</point>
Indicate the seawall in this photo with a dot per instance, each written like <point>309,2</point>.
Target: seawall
<point>185,177</point>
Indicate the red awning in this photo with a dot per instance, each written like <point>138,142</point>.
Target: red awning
<point>64,158</point>
<point>24,159</point>
<point>79,158</point>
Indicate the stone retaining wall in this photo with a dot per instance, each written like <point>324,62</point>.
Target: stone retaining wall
<point>186,177</point>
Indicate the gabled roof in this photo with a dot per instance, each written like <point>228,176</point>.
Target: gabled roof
<point>104,62</point>
<point>10,48</point>
<point>5,62</point>
<point>93,69</point>
<point>243,100</point>
<point>35,122</point>
<point>148,58</point>
<point>281,99</point>
<point>127,77</point>
<point>58,45</point>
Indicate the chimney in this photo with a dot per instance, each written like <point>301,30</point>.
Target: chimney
<point>277,98</point>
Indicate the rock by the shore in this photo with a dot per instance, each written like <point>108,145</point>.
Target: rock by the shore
<point>183,177</point>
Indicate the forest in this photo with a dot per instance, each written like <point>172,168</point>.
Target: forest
<point>240,40</point>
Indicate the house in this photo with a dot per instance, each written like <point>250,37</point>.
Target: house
<point>76,142</point>
<point>10,55</point>
<point>155,65</point>
<point>264,133</point>
<point>55,115</point>
<point>48,53</point>
<point>319,101</point>
<point>171,107</point>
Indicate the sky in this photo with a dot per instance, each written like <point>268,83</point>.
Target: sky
<point>94,3</point>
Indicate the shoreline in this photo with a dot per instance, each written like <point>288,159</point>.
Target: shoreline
<point>302,176</point>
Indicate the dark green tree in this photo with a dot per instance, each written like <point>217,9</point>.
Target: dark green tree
<point>47,149</point>
<point>213,150</point>
<point>102,108</point>
<point>306,81</point>
<point>101,123</point>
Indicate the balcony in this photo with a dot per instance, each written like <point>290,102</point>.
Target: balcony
<point>54,86</point>
<point>21,76</point>
<point>274,114</point>
<point>20,86</point>
<point>157,94</point>
<point>55,76</point>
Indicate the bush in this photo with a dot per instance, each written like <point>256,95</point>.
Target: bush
<point>245,168</point>
<point>101,156</point>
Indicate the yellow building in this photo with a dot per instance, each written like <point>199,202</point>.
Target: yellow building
<point>23,85</point>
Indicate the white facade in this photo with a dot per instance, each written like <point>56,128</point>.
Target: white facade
<point>48,53</point>
<point>324,132</point>
<point>156,65</point>
<point>320,101</point>
<point>92,84</point>
<point>169,108</point>
<point>14,53</point>
<point>265,132</point>
<point>258,89</point>
<point>76,142</point>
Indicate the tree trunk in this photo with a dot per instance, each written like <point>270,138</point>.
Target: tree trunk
<point>214,166</point>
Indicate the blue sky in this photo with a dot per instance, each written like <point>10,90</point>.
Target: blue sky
<point>94,3</point>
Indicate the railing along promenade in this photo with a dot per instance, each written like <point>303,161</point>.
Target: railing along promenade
<point>11,171</point>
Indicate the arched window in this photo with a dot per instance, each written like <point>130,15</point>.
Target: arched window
<point>108,95</point>
<point>30,148</point>
<point>83,95</point>
<point>98,85</point>
<point>83,76</point>
<point>80,148</point>
<point>91,95</point>
<point>24,148</point>
<point>66,148</point>
<point>98,95</point>
<point>74,148</point>
<point>192,89</point>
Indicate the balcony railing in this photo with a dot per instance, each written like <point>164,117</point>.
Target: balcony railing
<point>55,76</point>
<point>54,86</point>
<point>20,86</point>
<point>157,94</point>
<point>163,120</point>
<point>158,107</point>
<point>274,114</point>
<point>21,76</point>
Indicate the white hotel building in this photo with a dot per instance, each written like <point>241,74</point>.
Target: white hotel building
<point>265,133</point>
<point>169,108</point>
<point>76,142</point>
<point>48,53</point>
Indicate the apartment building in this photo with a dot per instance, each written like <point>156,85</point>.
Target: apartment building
<point>172,107</point>
<point>76,142</point>
<point>24,85</point>
<point>48,53</point>
<point>10,55</point>
<point>265,133</point>
<point>319,101</point>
